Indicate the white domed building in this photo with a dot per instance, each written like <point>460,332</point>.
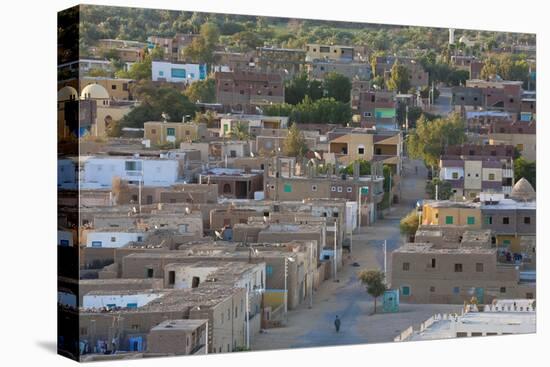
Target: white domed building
<point>95,92</point>
<point>67,93</point>
<point>105,111</point>
<point>523,191</point>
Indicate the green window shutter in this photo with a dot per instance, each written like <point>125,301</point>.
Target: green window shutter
<point>288,188</point>
<point>471,220</point>
<point>170,131</point>
<point>406,291</point>
<point>488,219</point>
<point>449,219</point>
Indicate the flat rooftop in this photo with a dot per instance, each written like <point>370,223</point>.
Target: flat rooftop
<point>182,325</point>
<point>430,248</point>
<point>509,322</point>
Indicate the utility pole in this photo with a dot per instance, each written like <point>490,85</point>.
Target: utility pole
<point>311,264</point>
<point>206,338</point>
<point>139,187</point>
<point>436,192</point>
<point>385,257</point>
<point>286,300</point>
<point>390,194</point>
<point>247,320</point>
<point>335,242</point>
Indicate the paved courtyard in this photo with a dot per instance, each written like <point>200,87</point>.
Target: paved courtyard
<point>348,298</point>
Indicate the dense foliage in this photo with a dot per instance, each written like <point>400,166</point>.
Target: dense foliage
<point>243,32</point>
<point>156,100</point>
<point>324,110</point>
<point>429,139</point>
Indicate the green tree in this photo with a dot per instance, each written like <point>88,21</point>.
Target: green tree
<point>247,40</point>
<point>295,143</point>
<point>409,224</point>
<point>297,88</point>
<point>458,77</point>
<point>525,169</point>
<point>98,73</point>
<point>211,33</point>
<point>375,282</point>
<point>208,117</point>
<point>202,91</point>
<point>489,70</point>
<point>337,86</point>
<point>444,189</point>
<point>399,79</point>
<point>157,100</point>
<point>430,138</point>
<point>201,49</point>
<point>278,109</point>
<point>378,82</point>
<point>240,132</point>
<point>364,168</point>
<point>413,114</point>
<point>142,70</point>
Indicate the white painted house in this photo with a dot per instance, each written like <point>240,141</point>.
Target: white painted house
<point>98,172</point>
<point>112,239</point>
<point>66,174</point>
<point>452,172</point>
<point>65,238</point>
<point>111,300</point>
<point>177,73</point>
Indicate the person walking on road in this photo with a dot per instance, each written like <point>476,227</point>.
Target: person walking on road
<point>337,324</point>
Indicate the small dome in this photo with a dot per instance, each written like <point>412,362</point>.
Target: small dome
<point>523,190</point>
<point>94,91</point>
<point>66,94</point>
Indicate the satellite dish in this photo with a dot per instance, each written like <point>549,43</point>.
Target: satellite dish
<point>219,235</point>
<point>318,156</point>
<point>187,210</point>
<point>252,154</point>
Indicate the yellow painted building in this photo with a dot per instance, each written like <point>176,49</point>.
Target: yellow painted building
<point>159,132</point>
<point>446,212</point>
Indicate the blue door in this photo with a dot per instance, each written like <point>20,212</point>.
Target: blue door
<point>136,344</point>
<point>479,295</point>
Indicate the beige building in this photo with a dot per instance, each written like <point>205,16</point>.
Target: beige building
<point>160,133</point>
<point>521,135</point>
<point>447,212</point>
<point>350,145</point>
<point>118,89</point>
<point>454,271</point>
<point>178,337</point>
<point>330,52</point>
<point>128,327</point>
